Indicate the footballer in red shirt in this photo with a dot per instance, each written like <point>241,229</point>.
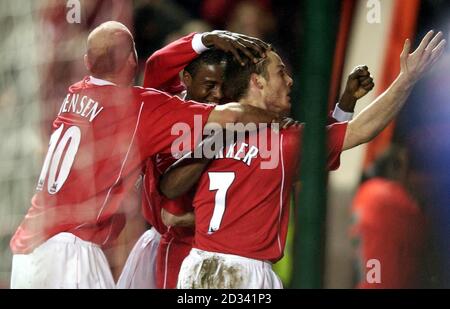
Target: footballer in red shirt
<point>240,206</point>
<point>202,79</point>
<point>236,192</point>
<point>104,132</point>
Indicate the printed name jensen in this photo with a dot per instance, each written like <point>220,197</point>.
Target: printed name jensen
<point>187,299</point>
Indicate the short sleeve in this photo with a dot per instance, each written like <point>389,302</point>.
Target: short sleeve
<point>179,206</point>
<point>167,119</point>
<point>162,69</point>
<point>335,141</point>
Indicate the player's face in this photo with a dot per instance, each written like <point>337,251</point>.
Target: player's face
<point>206,85</point>
<point>278,86</point>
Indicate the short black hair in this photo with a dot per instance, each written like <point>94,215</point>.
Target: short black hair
<point>209,57</point>
<point>237,76</point>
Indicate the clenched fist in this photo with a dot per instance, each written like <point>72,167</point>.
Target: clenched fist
<point>359,82</point>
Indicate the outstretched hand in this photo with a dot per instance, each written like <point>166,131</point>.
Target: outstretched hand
<point>239,45</point>
<point>415,65</point>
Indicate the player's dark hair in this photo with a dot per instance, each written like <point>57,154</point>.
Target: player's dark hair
<point>237,77</point>
<point>209,57</point>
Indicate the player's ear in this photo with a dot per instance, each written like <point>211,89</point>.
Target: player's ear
<point>257,81</point>
<point>187,79</point>
<point>132,58</point>
<point>87,63</point>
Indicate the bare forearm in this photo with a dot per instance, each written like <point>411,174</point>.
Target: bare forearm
<point>413,66</point>
<point>251,114</point>
<point>374,118</point>
<point>347,103</point>
<point>233,113</point>
<point>179,179</point>
<point>184,220</point>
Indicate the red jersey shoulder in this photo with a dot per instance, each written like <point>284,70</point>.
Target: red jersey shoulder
<point>293,133</point>
<point>336,132</point>
<point>292,139</point>
<point>109,92</point>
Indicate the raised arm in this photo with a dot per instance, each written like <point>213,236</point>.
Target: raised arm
<point>236,43</point>
<point>359,84</point>
<point>163,67</point>
<point>373,119</point>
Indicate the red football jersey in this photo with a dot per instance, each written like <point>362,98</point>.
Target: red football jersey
<point>242,209</point>
<point>162,71</point>
<point>390,228</point>
<point>102,136</point>
<point>153,201</point>
<point>176,242</point>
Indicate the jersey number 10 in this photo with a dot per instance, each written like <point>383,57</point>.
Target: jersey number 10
<point>54,156</point>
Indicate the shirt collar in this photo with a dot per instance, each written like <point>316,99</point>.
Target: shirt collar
<point>100,82</point>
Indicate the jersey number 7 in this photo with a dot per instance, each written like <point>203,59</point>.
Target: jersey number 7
<point>220,182</point>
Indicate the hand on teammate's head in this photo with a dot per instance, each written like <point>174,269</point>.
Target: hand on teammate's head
<point>242,47</point>
<point>287,122</point>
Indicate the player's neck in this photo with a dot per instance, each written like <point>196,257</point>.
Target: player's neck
<point>114,79</point>
<point>253,100</point>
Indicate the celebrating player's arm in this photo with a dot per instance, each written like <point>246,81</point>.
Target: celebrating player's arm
<point>222,115</point>
<point>363,128</point>
<point>359,83</point>
<point>237,44</point>
<point>182,176</point>
<point>373,119</point>
<point>163,67</point>
<point>185,173</point>
<point>238,113</point>
<point>162,72</point>
<point>179,178</point>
